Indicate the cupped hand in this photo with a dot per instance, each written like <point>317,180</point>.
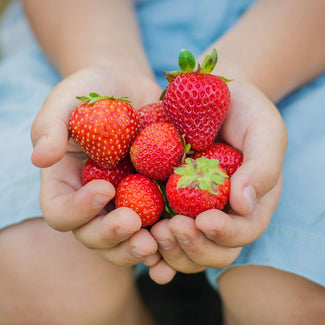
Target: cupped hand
<point>215,238</point>
<point>65,203</point>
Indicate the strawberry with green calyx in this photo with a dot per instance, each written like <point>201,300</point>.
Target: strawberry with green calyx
<point>142,195</point>
<point>197,101</point>
<point>152,113</point>
<point>104,127</point>
<point>91,170</point>
<point>229,158</point>
<point>198,185</point>
<point>157,151</point>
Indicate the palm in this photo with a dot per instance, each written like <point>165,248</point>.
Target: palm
<point>64,159</point>
<point>253,126</point>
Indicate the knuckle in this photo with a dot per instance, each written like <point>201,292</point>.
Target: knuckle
<point>57,224</point>
<point>224,260</point>
<point>220,234</point>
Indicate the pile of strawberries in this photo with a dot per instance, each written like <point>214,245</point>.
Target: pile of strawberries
<point>162,159</point>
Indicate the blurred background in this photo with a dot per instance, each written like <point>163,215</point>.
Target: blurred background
<point>3,4</point>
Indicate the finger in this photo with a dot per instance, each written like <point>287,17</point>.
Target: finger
<point>198,247</point>
<point>233,230</point>
<point>64,206</point>
<point>75,208</point>
<point>49,139</point>
<point>132,251</point>
<point>152,259</point>
<point>109,230</point>
<point>162,273</point>
<point>261,136</point>
<point>65,203</point>
<point>171,251</point>
<point>258,174</point>
<point>49,131</point>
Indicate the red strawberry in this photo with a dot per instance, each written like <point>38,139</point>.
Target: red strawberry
<point>229,158</point>
<point>157,150</point>
<point>198,185</point>
<point>152,113</point>
<point>91,170</point>
<point>104,127</point>
<point>142,195</point>
<point>196,102</point>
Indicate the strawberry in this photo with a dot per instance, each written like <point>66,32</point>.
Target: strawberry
<point>196,102</point>
<point>142,195</point>
<point>229,158</point>
<point>104,127</point>
<point>157,150</point>
<point>152,113</point>
<point>198,185</point>
<point>91,170</point>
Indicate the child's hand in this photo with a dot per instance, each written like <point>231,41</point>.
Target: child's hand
<point>66,204</point>
<point>214,239</point>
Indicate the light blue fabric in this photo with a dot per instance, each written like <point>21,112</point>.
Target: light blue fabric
<point>295,239</point>
<point>168,26</point>
<point>26,79</point>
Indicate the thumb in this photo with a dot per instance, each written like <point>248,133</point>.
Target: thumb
<point>49,136</point>
<point>259,173</point>
<point>254,126</point>
<point>50,129</point>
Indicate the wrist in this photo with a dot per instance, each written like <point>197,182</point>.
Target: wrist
<point>107,62</point>
<point>115,79</point>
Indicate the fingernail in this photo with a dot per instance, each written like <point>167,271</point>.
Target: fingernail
<point>122,233</point>
<point>210,234</point>
<point>42,139</point>
<point>183,239</point>
<point>137,253</point>
<point>99,200</point>
<point>165,244</point>
<point>250,196</point>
